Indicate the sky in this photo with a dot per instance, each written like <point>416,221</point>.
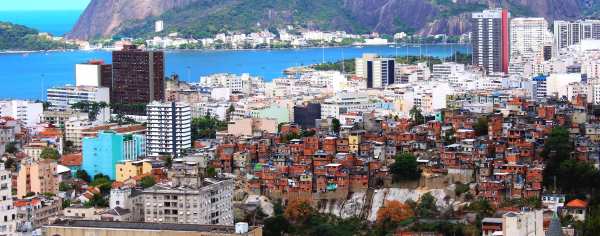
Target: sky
<point>23,5</point>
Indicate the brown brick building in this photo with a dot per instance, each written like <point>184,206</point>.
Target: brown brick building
<point>138,76</point>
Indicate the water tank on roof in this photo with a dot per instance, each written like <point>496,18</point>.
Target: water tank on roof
<point>241,228</point>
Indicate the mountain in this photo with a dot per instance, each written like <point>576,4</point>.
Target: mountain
<point>132,18</point>
<point>19,37</point>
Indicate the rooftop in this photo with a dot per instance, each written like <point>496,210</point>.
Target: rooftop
<point>145,226</point>
<point>577,203</point>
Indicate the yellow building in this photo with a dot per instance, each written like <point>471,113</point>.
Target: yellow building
<point>353,143</point>
<point>129,169</point>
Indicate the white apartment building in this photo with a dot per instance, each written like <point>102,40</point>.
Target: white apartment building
<point>28,112</point>
<point>528,36</point>
<point>567,33</point>
<point>8,223</point>
<point>244,83</point>
<point>346,102</point>
<point>62,98</point>
<point>593,92</point>
<point>168,128</point>
<point>378,72</point>
<point>539,88</point>
<point>557,84</point>
<point>444,70</point>
<point>73,130</point>
<point>92,73</point>
<point>529,223</point>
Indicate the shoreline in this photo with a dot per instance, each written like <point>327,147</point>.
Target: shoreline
<point>229,49</point>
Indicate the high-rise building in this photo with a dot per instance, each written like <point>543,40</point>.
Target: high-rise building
<point>37,176</point>
<point>8,214</point>
<point>379,72</point>
<point>490,40</point>
<point>93,73</point>
<point>138,76</point>
<point>528,37</point>
<point>567,33</point>
<point>26,111</point>
<point>63,98</point>
<point>169,128</point>
<point>159,26</point>
<point>102,153</point>
<point>305,115</point>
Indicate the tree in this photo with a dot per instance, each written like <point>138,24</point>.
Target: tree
<point>147,181</point>
<point>66,203</point>
<point>557,149</point>
<point>298,211</point>
<point>426,207</point>
<point>168,161</point>
<point>394,211</point>
<point>211,172</point>
<point>417,116</point>
<point>206,127</point>
<point>576,176</point>
<point>64,187</point>
<point>405,168</point>
<point>102,182</point>
<point>9,163</point>
<point>97,201</point>
<point>230,111</point>
<point>276,226</point>
<point>83,175</point>
<point>481,126</point>
<point>68,147</point>
<point>591,225</point>
<point>481,207</point>
<point>50,153</point>
<point>11,148</point>
<point>460,188</point>
<point>92,108</point>
<point>336,125</point>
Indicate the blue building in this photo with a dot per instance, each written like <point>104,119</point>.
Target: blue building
<point>102,153</point>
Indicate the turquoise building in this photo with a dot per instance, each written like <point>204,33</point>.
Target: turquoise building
<point>102,153</point>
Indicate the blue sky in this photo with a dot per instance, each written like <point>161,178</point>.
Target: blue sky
<point>11,5</point>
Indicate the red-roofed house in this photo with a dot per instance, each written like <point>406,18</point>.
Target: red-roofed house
<point>576,208</point>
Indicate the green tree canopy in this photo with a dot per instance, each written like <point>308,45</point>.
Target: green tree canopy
<point>50,153</point>
<point>481,126</point>
<point>147,181</point>
<point>405,168</point>
<point>11,148</point>
<point>83,175</point>
<point>416,115</point>
<point>426,207</point>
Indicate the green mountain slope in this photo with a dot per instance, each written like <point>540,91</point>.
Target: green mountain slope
<point>205,18</point>
<point>200,18</point>
<point>19,37</point>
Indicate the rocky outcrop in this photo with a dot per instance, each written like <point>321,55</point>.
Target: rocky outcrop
<point>104,18</point>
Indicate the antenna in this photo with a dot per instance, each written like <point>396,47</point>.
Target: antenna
<point>323,49</point>
<point>343,62</point>
<point>395,47</point>
<point>42,84</point>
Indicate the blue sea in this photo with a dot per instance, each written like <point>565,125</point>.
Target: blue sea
<point>27,75</point>
<point>55,22</point>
